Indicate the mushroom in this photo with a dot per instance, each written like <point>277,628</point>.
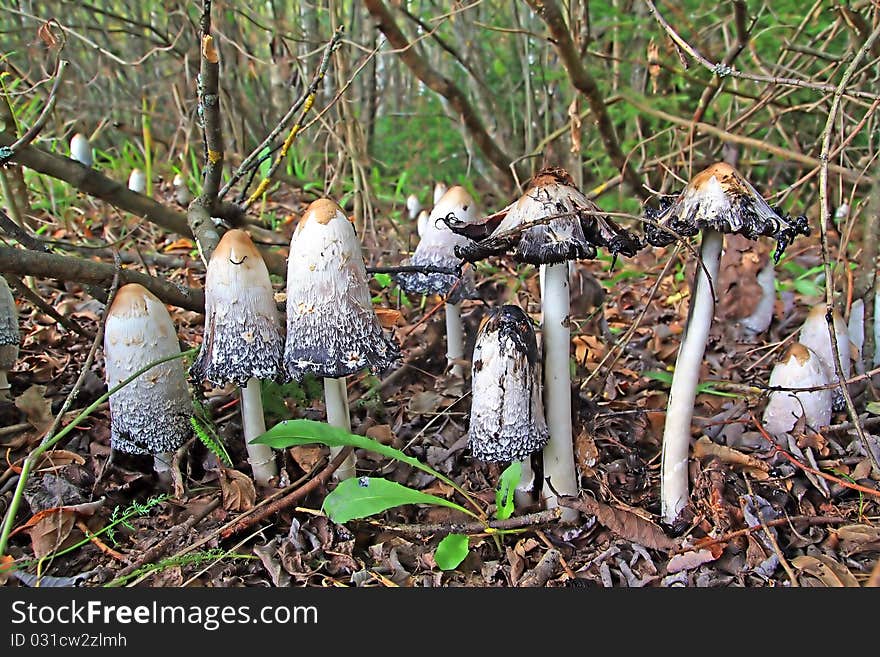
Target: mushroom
<point>182,195</point>
<point>81,149</point>
<point>717,200</point>
<point>332,328</point>
<point>137,181</point>
<point>553,222</point>
<point>507,414</point>
<point>242,342</point>
<point>413,207</point>
<point>150,415</point>
<point>437,248</point>
<point>814,334</point>
<point>439,191</point>
<point>10,337</point>
<point>800,367</point>
<point>422,223</point>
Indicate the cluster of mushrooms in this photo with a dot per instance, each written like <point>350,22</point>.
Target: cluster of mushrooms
<point>521,389</point>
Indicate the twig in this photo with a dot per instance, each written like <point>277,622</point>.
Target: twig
<point>823,240</point>
<point>32,297</point>
<point>806,468</point>
<point>9,152</point>
<point>772,539</point>
<point>289,499</point>
<point>441,529</point>
<point>101,545</point>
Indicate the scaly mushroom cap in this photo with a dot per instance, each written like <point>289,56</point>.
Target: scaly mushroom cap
<point>151,414</point>
<point>525,227</point>
<point>242,337</point>
<point>507,414</point>
<point>814,334</point>
<point>800,367</point>
<point>81,149</point>
<point>718,197</point>
<point>332,328</point>
<point>10,337</point>
<point>437,248</point>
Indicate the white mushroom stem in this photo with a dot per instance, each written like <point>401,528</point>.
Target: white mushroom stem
<point>680,408</point>
<point>559,467</point>
<point>4,383</point>
<point>336,401</point>
<point>522,496</point>
<point>261,457</point>
<point>454,338</point>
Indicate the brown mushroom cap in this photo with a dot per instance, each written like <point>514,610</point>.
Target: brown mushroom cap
<point>332,328</point>
<point>151,414</point>
<point>507,413</point>
<point>242,338</point>
<point>720,198</point>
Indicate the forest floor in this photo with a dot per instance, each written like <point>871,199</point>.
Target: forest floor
<point>760,516</point>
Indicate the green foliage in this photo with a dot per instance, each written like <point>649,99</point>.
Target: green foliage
<point>209,438</point>
<point>365,496</point>
<point>705,387</point>
<point>504,494</point>
<point>451,551</point>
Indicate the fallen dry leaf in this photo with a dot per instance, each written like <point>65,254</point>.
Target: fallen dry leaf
<point>238,490</point>
<point>858,538</point>
<point>689,560</point>
<point>825,570</point>
<point>307,456</point>
<point>381,433</point>
<point>625,524</point>
<point>36,407</point>
<point>705,447</point>
<point>51,460</point>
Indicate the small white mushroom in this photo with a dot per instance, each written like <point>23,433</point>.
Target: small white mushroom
<point>182,195</point>
<point>439,191</point>
<point>10,337</point>
<point>150,415</point>
<point>332,327</point>
<point>437,248</point>
<point>81,149</point>
<point>413,206</point>
<point>242,342</point>
<point>814,334</point>
<point>800,367</point>
<point>422,223</point>
<point>137,181</point>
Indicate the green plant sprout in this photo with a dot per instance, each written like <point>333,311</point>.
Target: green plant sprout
<point>360,497</point>
<point>190,559</point>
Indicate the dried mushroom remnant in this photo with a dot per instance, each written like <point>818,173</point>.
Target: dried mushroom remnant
<point>242,342</point>
<point>716,201</point>
<point>507,413</point>
<point>150,415</point>
<point>10,337</point>
<point>332,327</point>
<point>800,367</point>
<point>551,223</point>
<point>436,248</point>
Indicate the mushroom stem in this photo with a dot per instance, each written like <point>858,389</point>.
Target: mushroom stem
<point>261,457</point>
<point>336,401</point>
<point>522,496</point>
<point>559,467</point>
<point>680,408</point>
<point>454,338</point>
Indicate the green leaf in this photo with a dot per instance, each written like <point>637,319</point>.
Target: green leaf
<point>507,484</point>
<point>873,408</point>
<point>666,377</point>
<point>360,497</point>
<point>451,551</point>
<point>383,279</point>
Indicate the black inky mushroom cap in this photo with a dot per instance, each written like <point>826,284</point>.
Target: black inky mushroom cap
<point>507,413</point>
<point>551,223</point>
<point>242,337</point>
<point>332,328</point>
<point>10,337</point>
<point>150,415</point>
<point>719,198</point>
<point>436,248</point>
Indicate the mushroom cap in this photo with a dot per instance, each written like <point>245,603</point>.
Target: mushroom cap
<point>437,248</point>
<point>525,227</point>
<point>242,338</point>
<point>800,367</point>
<point>507,413</point>
<point>814,334</point>
<point>151,414</point>
<point>413,206</point>
<point>332,328</point>
<point>81,149</point>
<point>137,181</point>
<point>720,198</point>
<point>439,191</point>
<point>10,337</point>
<point>422,222</point>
